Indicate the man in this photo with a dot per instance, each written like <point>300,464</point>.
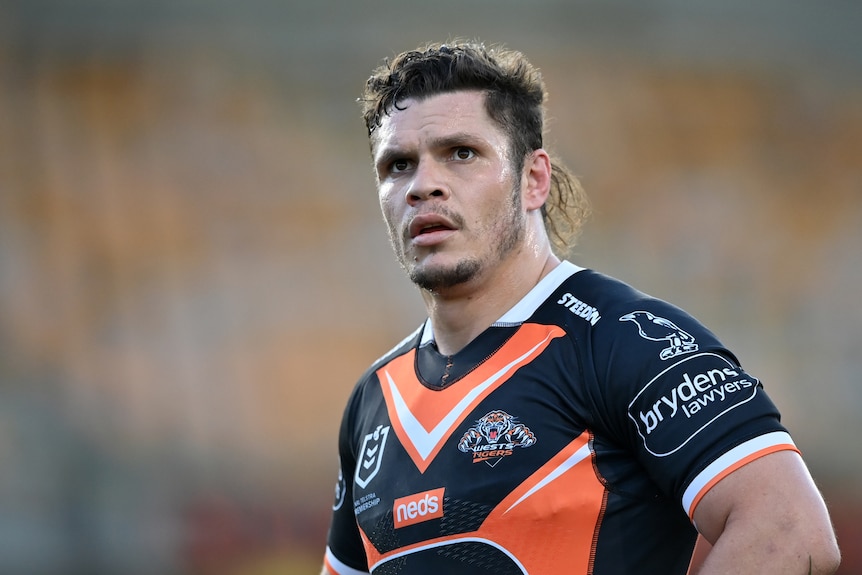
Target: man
<point>545,418</point>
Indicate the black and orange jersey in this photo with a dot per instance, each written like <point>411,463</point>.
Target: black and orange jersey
<point>575,435</point>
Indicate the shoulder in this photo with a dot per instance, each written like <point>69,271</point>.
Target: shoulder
<point>404,346</point>
<point>630,340</point>
<point>625,316</point>
<point>614,297</point>
<point>368,377</point>
<point>366,394</point>
<point>616,326</point>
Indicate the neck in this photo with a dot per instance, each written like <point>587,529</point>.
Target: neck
<point>460,314</point>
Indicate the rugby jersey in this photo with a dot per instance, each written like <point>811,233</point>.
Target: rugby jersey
<point>576,434</point>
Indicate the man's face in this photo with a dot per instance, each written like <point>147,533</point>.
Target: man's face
<point>448,192</point>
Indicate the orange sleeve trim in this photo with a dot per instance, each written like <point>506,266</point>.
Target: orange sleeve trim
<point>740,463</point>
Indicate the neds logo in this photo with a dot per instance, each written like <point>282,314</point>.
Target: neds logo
<point>418,507</point>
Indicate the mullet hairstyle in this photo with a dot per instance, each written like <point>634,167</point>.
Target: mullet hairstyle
<point>514,99</point>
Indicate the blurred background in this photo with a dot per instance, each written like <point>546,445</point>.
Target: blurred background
<point>194,272</point>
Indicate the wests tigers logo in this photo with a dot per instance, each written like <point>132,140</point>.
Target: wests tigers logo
<point>495,436</point>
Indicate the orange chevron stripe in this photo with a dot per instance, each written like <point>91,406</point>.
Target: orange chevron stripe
<point>560,505</point>
<point>372,555</point>
<point>423,419</point>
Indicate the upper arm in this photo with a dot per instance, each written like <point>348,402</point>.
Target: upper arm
<point>345,553</point>
<point>771,507</point>
<point>773,488</point>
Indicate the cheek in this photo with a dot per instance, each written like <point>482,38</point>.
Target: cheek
<point>387,207</point>
<point>503,201</point>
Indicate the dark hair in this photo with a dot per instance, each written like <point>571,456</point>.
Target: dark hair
<point>514,99</point>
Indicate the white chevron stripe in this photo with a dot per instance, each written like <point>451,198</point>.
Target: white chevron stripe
<point>425,440</point>
<point>573,460</point>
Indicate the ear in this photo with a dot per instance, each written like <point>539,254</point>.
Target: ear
<point>536,180</point>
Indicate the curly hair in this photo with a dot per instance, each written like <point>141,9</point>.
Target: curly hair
<point>514,99</point>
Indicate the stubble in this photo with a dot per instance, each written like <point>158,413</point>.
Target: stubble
<point>504,235</point>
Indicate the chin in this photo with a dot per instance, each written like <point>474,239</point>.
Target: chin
<point>440,277</point>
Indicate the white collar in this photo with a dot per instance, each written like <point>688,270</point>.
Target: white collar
<point>528,304</point>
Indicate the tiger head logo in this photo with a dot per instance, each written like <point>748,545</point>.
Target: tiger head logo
<point>494,425</point>
<point>497,428</point>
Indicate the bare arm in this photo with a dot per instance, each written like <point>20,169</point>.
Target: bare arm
<point>767,517</point>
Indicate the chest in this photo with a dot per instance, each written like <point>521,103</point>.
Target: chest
<point>435,463</point>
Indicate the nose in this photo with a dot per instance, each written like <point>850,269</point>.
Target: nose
<point>427,183</point>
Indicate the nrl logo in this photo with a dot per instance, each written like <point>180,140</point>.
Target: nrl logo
<point>656,328</point>
<point>370,456</point>
<point>495,436</point>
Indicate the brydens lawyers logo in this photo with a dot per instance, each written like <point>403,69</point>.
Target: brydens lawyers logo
<point>686,398</point>
<point>418,508</point>
<point>495,436</point>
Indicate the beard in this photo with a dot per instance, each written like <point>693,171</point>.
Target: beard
<point>438,279</point>
<point>505,233</point>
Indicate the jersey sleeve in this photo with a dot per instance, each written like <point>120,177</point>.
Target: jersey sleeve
<point>345,554</point>
<point>680,400</point>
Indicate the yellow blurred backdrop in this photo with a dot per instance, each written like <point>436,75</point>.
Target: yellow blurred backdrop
<point>194,272</point>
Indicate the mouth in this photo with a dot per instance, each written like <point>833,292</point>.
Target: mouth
<point>430,225</point>
<point>432,229</point>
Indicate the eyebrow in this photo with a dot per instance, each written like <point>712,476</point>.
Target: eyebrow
<point>392,153</point>
<point>387,156</point>
<point>455,140</point>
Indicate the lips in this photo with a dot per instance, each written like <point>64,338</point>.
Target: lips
<point>429,224</point>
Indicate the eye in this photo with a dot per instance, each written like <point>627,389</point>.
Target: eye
<point>463,153</point>
<point>399,166</point>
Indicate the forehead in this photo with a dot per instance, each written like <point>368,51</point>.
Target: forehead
<point>436,117</point>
